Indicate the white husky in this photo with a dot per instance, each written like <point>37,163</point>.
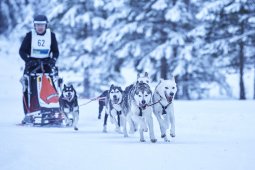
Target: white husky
<point>163,108</point>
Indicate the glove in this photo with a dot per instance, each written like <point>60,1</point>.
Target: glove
<point>49,61</point>
<point>52,61</point>
<point>31,63</point>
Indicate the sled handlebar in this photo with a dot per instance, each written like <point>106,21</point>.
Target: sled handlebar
<point>39,65</point>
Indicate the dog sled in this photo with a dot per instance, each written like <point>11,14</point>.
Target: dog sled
<point>41,89</point>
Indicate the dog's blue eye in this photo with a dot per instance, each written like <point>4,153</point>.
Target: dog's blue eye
<point>173,87</point>
<point>166,88</point>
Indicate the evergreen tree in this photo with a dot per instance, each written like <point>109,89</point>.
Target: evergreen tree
<point>228,34</point>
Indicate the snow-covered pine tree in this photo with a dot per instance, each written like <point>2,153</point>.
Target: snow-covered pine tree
<point>228,35</point>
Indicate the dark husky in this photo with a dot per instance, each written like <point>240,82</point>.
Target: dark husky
<point>68,102</point>
<point>113,106</point>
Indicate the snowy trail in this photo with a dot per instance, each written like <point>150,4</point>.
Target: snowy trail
<point>210,135</point>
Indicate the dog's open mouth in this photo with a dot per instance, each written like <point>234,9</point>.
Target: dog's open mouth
<point>142,106</point>
<point>69,97</point>
<point>115,101</point>
<point>169,98</point>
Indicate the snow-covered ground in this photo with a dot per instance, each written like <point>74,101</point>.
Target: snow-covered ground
<point>210,135</point>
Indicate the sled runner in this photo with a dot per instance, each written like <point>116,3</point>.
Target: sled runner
<point>41,89</point>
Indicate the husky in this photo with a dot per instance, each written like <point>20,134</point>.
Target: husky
<point>101,102</point>
<point>163,108</point>
<point>136,107</point>
<point>141,78</point>
<point>113,102</point>
<point>68,102</point>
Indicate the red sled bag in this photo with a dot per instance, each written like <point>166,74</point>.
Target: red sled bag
<point>48,93</point>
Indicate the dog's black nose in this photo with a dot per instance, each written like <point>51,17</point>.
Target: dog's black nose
<point>114,96</point>
<point>171,94</point>
<point>143,102</point>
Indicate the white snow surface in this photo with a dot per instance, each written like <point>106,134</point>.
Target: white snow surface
<point>210,135</point>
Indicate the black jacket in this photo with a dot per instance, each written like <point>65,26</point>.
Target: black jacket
<point>25,48</point>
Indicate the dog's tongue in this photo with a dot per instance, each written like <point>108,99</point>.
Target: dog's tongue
<point>169,99</point>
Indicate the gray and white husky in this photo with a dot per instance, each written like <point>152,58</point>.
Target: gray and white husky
<point>141,78</point>
<point>113,107</point>
<point>101,103</point>
<point>136,107</point>
<point>163,108</point>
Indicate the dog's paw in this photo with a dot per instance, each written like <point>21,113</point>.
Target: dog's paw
<point>166,140</point>
<point>104,130</point>
<point>142,140</point>
<point>153,140</point>
<point>163,135</point>
<point>125,135</point>
<point>172,135</point>
<point>75,128</point>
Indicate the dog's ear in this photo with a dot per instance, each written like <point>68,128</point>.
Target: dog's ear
<point>138,75</point>
<point>120,89</point>
<point>172,77</point>
<point>71,86</point>
<point>112,86</point>
<point>146,74</point>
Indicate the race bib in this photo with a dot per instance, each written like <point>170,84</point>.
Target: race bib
<point>40,46</point>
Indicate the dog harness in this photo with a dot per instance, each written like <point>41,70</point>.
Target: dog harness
<point>141,111</point>
<point>40,45</point>
<point>70,105</point>
<point>163,107</point>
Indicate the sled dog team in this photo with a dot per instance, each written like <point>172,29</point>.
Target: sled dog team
<point>135,105</point>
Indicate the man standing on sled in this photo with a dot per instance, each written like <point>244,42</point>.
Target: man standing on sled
<point>38,46</point>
